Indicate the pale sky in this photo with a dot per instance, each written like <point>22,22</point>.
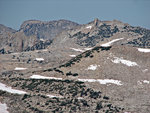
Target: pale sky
<point>134,12</point>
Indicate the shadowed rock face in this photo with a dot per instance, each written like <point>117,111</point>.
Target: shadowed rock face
<point>143,41</point>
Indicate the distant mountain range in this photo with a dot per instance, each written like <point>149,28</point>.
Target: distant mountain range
<point>36,35</point>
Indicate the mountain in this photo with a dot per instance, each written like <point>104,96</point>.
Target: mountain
<point>101,66</point>
<point>4,29</point>
<point>46,30</point>
<point>5,34</point>
<point>31,34</point>
<point>97,32</point>
<point>36,35</point>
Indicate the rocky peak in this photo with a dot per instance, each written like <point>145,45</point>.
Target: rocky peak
<point>46,30</point>
<point>96,21</point>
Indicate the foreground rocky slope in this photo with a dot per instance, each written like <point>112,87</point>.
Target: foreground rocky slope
<point>102,66</point>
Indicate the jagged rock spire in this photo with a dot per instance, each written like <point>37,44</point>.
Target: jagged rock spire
<point>96,21</point>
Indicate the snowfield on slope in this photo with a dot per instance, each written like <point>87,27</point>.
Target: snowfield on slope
<point>43,77</point>
<point>143,50</point>
<point>3,108</point>
<point>3,87</point>
<point>123,61</point>
<point>109,43</point>
<point>20,68</point>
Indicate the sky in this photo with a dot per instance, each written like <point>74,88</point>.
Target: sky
<point>134,12</point>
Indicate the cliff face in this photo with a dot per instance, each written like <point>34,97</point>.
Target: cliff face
<point>46,30</point>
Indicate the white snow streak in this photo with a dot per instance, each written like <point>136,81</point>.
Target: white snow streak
<point>92,67</point>
<point>52,96</point>
<point>102,81</point>
<point>20,68</point>
<point>109,43</point>
<point>3,108</point>
<point>143,50</point>
<point>87,49</point>
<point>43,77</point>
<point>3,87</point>
<point>88,80</point>
<point>123,61</point>
<point>111,81</point>
<point>79,50</point>
<point>72,55</point>
<point>39,59</point>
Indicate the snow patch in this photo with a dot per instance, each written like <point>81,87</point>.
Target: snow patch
<point>143,81</point>
<point>145,70</point>
<point>110,81</point>
<point>109,43</point>
<point>14,53</point>
<point>87,49</point>
<point>3,108</point>
<point>88,80</point>
<point>19,68</point>
<point>79,50</point>
<point>93,67</point>
<point>146,81</point>
<point>89,27</point>
<point>39,59</point>
<point>72,55</point>
<point>42,39</point>
<point>80,98</point>
<point>52,96</point>
<point>143,50</point>
<point>3,87</point>
<point>45,50</point>
<point>102,81</point>
<point>123,61</point>
<point>43,77</point>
